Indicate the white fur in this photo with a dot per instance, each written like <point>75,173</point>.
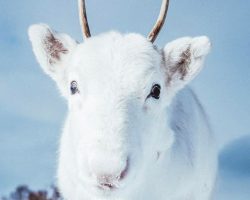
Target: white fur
<point>165,144</point>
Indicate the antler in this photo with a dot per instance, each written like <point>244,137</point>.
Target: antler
<point>160,21</point>
<point>83,19</point>
<point>152,35</point>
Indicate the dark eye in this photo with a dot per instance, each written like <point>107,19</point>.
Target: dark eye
<point>155,91</point>
<point>73,87</point>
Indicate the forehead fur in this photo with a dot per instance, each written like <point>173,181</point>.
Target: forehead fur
<point>113,58</point>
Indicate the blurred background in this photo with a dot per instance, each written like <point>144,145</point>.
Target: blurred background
<point>32,112</point>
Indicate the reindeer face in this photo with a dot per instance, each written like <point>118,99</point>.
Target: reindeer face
<point>114,92</point>
<point>117,87</point>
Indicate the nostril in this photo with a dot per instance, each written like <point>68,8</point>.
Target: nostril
<point>125,171</point>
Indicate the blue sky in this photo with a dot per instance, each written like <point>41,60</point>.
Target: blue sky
<point>32,112</point>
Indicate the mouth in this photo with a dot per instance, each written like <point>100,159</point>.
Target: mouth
<point>109,183</point>
<point>107,186</point>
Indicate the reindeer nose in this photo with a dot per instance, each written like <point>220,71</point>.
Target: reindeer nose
<point>109,177</point>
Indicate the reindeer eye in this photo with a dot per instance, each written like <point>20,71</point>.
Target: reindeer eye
<point>73,87</point>
<point>155,91</point>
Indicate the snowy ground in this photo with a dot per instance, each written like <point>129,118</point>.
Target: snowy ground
<point>234,173</point>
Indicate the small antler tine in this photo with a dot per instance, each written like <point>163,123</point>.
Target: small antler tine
<point>83,19</point>
<point>160,21</point>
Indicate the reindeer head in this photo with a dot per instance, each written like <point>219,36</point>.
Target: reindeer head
<point>118,88</point>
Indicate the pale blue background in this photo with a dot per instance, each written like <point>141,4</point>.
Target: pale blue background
<point>32,112</point>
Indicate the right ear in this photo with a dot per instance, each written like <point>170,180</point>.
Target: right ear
<point>184,59</point>
<point>51,49</point>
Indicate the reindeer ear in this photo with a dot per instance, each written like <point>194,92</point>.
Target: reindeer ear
<point>51,48</point>
<point>184,59</point>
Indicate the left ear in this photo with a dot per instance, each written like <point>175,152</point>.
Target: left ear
<point>184,59</point>
<point>51,49</point>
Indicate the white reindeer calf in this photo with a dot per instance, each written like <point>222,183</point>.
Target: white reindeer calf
<point>133,132</point>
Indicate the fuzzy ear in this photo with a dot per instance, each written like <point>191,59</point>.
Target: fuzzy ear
<point>51,49</point>
<point>184,59</point>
